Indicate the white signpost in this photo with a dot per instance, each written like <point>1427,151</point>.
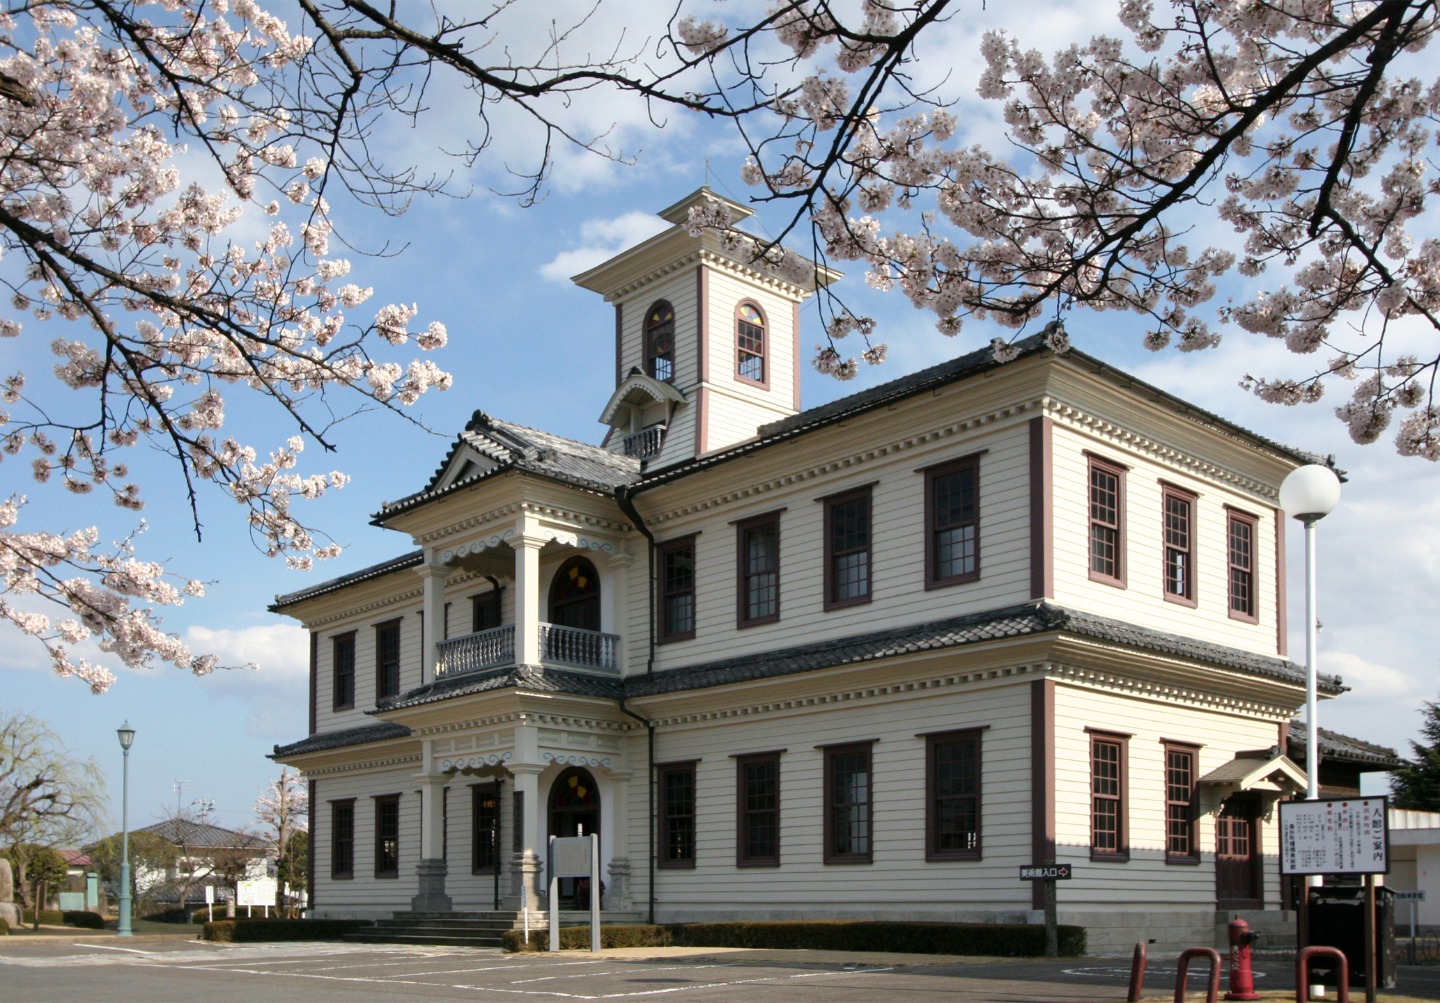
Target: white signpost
<point>1338,836</point>
<point>575,857</point>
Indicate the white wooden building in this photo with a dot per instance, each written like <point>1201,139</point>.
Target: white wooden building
<point>863,660</point>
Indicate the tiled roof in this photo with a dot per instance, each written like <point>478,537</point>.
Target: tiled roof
<point>1016,621</point>
<point>1024,620</point>
<point>379,731</point>
<point>924,381</point>
<point>1334,745</point>
<point>198,835</point>
<point>516,447</point>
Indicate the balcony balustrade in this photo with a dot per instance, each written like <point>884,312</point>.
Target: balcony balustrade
<point>563,647</point>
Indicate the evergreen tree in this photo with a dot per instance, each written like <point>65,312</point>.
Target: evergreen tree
<point>1416,785</point>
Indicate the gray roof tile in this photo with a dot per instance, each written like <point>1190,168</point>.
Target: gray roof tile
<point>378,731</point>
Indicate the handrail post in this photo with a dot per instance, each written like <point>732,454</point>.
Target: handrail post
<point>1302,971</point>
<point>1212,989</point>
<point>1137,973</point>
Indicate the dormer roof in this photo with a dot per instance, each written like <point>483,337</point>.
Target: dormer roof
<point>637,391</point>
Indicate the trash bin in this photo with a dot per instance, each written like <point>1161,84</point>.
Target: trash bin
<point>1337,919</point>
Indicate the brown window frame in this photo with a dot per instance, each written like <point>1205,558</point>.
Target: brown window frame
<point>1236,572</point>
<point>479,794</point>
<point>748,818</point>
<point>833,555</point>
<point>387,659</point>
<point>933,476</point>
<point>746,575</point>
<point>385,805</point>
<point>667,819</point>
<point>833,806</point>
<point>1180,803</point>
<point>934,798</point>
<point>653,357</point>
<point>666,625</point>
<point>1172,542</point>
<point>1101,740</point>
<point>755,355</point>
<point>342,837</point>
<point>342,670</point>
<point>1098,523</point>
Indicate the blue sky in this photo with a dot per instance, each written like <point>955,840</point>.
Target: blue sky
<point>529,346</point>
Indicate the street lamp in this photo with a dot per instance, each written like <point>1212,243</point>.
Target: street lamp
<point>127,738</point>
<point>1310,493</point>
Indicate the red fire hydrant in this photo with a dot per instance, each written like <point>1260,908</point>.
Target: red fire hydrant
<point>1242,979</point>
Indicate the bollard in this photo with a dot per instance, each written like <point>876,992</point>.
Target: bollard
<point>1137,973</point>
<point>1212,989</point>
<point>1302,971</point>
<point>1242,978</point>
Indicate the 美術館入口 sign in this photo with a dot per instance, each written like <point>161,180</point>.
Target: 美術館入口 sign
<point>1045,872</point>
<point>1335,836</point>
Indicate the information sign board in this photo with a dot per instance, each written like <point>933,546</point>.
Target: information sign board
<point>1335,836</point>
<point>1045,872</point>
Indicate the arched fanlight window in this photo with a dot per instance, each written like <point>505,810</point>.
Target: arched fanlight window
<point>575,595</point>
<point>660,341</point>
<point>749,343</point>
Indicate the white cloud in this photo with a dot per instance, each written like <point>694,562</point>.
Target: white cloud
<point>601,239</point>
<point>274,694</point>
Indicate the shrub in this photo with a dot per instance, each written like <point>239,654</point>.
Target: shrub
<point>4,928</point>
<point>990,939</point>
<point>48,917</point>
<point>84,920</point>
<point>577,938</point>
<point>228,931</point>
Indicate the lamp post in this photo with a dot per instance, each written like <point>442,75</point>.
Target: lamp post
<point>1310,493</point>
<point>127,737</point>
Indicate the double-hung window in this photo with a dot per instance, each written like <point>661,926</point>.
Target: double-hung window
<point>1109,826</point>
<point>758,551</point>
<point>660,341</point>
<point>1107,522</point>
<point>677,814</point>
<point>1178,529</point>
<point>952,522</point>
<point>749,344</point>
<point>1180,775</point>
<point>849,815</point>
<point>1240,535</point>
<point>342,838</point>
<point>952,782</point>
<point>342,652</point>
<point>387,659</point>
<point>847,548</point>
<point>677,589</point>
<point>757,817</point>
<point>387,836</point>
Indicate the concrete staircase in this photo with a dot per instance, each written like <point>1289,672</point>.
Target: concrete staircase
<point>466,929</point>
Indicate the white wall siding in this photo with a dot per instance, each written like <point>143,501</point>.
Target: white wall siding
<point>365,894</point>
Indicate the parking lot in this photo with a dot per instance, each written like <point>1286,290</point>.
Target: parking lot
<point>102,970</point>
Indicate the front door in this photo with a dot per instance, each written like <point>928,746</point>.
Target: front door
<point>1238,873</point>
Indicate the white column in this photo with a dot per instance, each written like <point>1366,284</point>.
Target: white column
<point>529,862</point>
<point>527,599</point>
<point>619,587</point>
<point>618,894</point>
<point>430,869</point>
<point>434,575</point>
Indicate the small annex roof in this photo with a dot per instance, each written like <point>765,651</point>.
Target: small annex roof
<point>1342,748</point>
<point>378,731</point>
<point>638,389</point>
<point>926,380</point>
<point>501,445</point>
<point>523,677</point>
<point>411,560</point>
<point>1270,770</point>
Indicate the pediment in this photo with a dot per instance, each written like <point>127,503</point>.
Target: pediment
<point>1267,773</point>
<point>637,391</point>
<point>466,463</point>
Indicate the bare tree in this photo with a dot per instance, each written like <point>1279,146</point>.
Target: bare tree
<point>283,810</point>
<point>48,797</point>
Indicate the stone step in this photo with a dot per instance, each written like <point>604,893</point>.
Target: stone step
<point>476,929</point>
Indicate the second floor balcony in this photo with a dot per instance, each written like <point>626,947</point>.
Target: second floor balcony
<point>560,647</point>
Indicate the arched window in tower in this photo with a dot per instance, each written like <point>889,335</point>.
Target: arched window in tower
<point>660,341</point>
<point>575,595</point>
<point>749,343</point>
